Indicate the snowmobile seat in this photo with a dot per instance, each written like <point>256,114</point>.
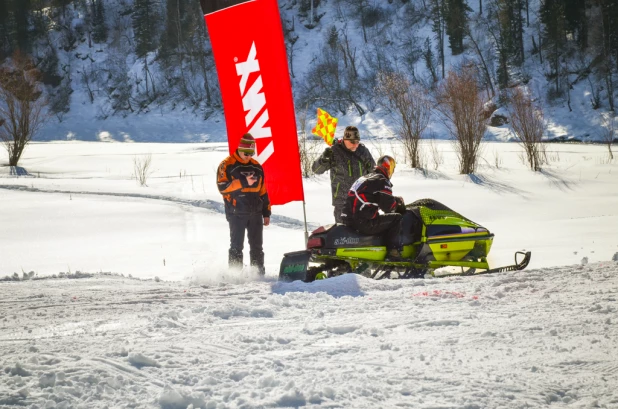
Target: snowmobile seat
<point>342,236</point>
<point>411,226</point>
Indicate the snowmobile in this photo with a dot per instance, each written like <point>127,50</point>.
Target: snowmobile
<point>437,241</point>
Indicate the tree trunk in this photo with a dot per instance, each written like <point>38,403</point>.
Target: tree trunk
<point>485,68</point>
<point>520,34</point>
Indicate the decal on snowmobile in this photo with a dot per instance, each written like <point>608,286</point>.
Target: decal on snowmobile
<point>294,268</point>
<point>346,241</point>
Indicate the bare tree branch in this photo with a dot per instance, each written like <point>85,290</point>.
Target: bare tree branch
<point>461,109</point>
<point>410,109</point>
<point>528,124</point>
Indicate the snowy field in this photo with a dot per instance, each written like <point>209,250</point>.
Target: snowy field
<point>153,319</point>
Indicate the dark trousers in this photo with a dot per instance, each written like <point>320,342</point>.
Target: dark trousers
<point>254,225</point>
<point>337,212</point>
<point>387,224</point>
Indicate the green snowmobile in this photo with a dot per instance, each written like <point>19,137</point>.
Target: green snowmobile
<point>436,241</point>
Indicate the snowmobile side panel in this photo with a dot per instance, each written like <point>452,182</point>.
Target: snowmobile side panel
<point>408,251</point>
<point>365,253</point>
<point>451,251</point>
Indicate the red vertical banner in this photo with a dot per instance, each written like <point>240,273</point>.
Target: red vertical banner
<point>250,55</point>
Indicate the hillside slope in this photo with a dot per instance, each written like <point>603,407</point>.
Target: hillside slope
<point>391,35</point>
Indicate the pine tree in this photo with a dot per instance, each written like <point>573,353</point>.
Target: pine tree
<point>62,4</point>
<point>19,14</point>
<point>429,60</point>
<point>456,21</point>
<point>575,21</point>
<point>333,38</point>
<point>98,22</point>
<point>438,15</point>
<point>554,37</point>
<point>505,24</point>
<point>603,32</point>
<point>179,28</point>
<point>145,21</point>
<point>4,36</point>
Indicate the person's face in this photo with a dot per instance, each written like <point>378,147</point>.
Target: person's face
<point>351,145</point>
<point>245,156</point>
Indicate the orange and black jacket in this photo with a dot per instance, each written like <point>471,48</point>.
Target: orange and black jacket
<point>239,197</point>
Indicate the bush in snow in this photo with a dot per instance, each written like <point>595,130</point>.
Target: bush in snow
<point>410,109</point>
<point>21,105</point>
<point>141,168</point>
<point>528,124</point>
<point>461,108</point>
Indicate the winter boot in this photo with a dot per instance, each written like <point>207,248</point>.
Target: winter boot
<point>393,255</point>
<point>235,259</point>
<point>257,260</point>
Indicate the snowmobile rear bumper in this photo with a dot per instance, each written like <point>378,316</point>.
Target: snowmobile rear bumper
<point>294,266</point>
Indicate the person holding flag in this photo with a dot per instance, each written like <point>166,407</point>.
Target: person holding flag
<point>347,160</point>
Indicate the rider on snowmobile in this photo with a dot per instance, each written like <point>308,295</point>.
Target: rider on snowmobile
<point>366,197</point>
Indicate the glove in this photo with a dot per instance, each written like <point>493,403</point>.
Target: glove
<point>327,156</point>
<point>401,205</point>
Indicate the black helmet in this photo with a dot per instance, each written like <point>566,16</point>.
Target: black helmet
<point>387,165</point>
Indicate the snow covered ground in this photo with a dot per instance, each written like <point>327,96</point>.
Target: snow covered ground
<point>183,330</point>
<point>532,339</point>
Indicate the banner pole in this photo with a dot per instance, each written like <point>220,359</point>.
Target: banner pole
<point>306,232</point>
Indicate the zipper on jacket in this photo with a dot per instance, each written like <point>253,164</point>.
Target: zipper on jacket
<point>349,167</point>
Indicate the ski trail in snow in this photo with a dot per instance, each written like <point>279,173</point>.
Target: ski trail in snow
<point>534,338</point>
<point>213,206</point>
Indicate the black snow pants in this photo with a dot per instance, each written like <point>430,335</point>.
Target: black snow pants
<point>254,225</point>
<point>387,224</point>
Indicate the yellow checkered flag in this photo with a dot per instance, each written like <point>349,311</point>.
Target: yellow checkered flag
<point>325,128</point>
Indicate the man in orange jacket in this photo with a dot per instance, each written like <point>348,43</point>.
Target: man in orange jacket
<point>240,180</point>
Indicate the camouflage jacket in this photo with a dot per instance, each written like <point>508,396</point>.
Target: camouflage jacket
<point>345,168</point>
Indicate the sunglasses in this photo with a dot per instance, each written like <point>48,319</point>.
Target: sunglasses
<point>247,154</point>
<point>353,141</point>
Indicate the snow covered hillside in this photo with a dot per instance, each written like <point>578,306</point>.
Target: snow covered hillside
<point>104,92</point>
<point>539,338</point>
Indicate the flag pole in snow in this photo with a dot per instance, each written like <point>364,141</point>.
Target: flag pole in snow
<point>306,232</point>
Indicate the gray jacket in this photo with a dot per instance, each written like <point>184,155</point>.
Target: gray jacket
<point>345,167</point>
